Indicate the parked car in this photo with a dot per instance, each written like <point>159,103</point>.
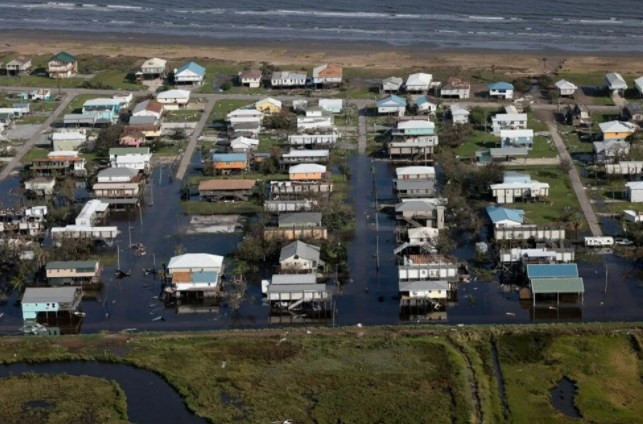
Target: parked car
<point>623,242</point>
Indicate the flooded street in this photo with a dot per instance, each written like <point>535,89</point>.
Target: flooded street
<point>370,297</point>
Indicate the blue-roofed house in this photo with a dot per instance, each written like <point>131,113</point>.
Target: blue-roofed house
<point>106,109</point>
<point>505,217</point>
<point>227,162</point>
<point>425,104</point>
<point>501,90</point>
<point>552,271</point>
<point>190,73</point>
<point>391,105</point>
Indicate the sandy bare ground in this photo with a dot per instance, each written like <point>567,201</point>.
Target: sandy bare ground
<point>369,56</point>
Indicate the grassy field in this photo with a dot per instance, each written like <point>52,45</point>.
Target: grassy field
<point>363,375</point>
<point>480,140</point>
<point>34,153</point>
<point>61,399</point>
<point>223,107</point>
<point>561,197</point>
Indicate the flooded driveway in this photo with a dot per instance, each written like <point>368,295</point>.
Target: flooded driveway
<point>369,298</point>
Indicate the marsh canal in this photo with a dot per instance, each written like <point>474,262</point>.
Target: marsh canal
<point>370,296</point>
<point>150,399</point>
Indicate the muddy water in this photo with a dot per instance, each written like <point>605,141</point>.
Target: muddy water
<point>370,297</point>
<point>563,396</point>
<point>150,399</point>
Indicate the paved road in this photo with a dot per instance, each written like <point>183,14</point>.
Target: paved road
<point>15,162</point>
<point>577,185</point>
<point>361,139</point>
<point>189,151</point>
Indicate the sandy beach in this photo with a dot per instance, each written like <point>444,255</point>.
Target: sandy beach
<point>370,55</point>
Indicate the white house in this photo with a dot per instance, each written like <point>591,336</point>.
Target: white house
<point>392,84</point>
<point>459,114</point>
<point>566,88</point>
<point>123,98</point>
<point>633,216</point>
<point>131,157</point>
<point>288,79</point>
<point>615,82</point>
<point>331,105</point>
<point>250,78</point>
<point>173,99</point>
<point>415,172</point>
<point>455,87</point>
<point>501,90</point>
<point>425,105</point>
<point>634,191</point>
<point>508,121</point>
<point>392,105</point>
<point>154,68</point>
<point>41,185</point>
<point>424,290</point>
<point>638,83</point>
<point>68,140</point>
<point>327,74</point>
<point>149,108</point>
<point>190,73</point>
<point>419,82</point>
<point>195,272</point>
<point>314,122</point>
<point>306,156</point>
<point>504,217</point>
<point>116,175</point>
<point>88,216</point>
<point>299,256</point>
<point>518,186</point>
<point>244,115</point>
<point>244,144</point>
<point>517,138</point>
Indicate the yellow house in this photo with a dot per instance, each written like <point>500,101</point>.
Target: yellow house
<point>307,172</point>
<point>616,130</point>
<point>268,105</point>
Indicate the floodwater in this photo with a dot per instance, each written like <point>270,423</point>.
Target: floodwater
<point>369,297</point>
<point>150,399</point>
<point>563,396</point>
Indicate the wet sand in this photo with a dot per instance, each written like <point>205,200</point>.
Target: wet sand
<point>281,52</point>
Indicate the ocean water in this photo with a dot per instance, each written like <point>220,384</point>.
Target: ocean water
<point>580,25</point>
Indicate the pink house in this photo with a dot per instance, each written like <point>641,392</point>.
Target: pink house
<point>133,139</point>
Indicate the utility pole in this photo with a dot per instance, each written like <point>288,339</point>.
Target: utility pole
<point>118,257</point>
<point>605,289</point>
<point>129,231</point>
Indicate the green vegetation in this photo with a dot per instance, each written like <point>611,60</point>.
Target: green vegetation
<point>606,369</point>
<point>183,115</point>
<point>33,154</point>
<point>359,375</point>
<point>561,201</point>
<point>543,148</point>
<point>223,107</point>
<point>61,399</point>
<point>479,140</point>
<point>115,79</point>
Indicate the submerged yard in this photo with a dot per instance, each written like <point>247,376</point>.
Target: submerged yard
<point>358,375</point>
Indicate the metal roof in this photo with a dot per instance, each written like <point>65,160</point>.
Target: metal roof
<point>306,154</point>
<point>500,86</point>
<point>423,285</point>
<point>192,67</point>
<point>71,264</point>
<point>49,294</point>
<point>415,170</point>
<point>64,57</point>
<point>283,279</point>
<point>306,168</point>
<point>230,157</point>
<point>122,151</point>
<point>552,271</point>
<point>616,126</point>
<point>117,172</point>
<point>299,288</point>
<point>417,184</point>
<point>392,100</point>
<point>173,94</point>
<point>498,213</point>
<point>614,80</point>
<point>195,260</point>
<point>557,285</point>
<point>298,218</point>
<point>300,249</point>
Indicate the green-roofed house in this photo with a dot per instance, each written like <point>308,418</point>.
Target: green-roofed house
<point>62,65</point>
<point>72,273</point>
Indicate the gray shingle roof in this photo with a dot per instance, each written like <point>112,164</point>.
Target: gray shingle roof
<point>300,249</point>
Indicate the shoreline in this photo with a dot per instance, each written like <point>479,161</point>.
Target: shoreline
<point>285,52</point>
